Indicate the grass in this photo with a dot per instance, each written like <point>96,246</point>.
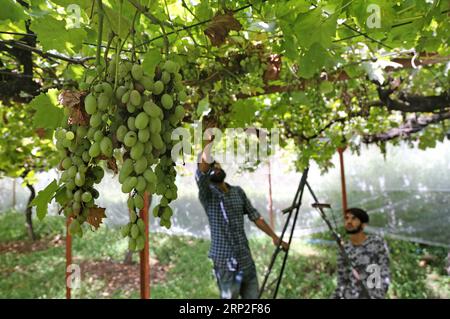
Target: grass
<point>310,271</point>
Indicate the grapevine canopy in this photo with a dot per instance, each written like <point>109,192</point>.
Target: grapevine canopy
<point>328,73</point>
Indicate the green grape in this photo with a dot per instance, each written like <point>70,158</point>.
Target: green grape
<point>144,135</point>
<point>90,104</point>
<point>130,139</point>
<point>132,244</point>
<point>141,121</point>
<point>77,196</point>
<point>137,72</point>
<point>167,101</point>
<point>125,97</point>
<point>131,122</point>
<point>129,183</point>
<point>95,120</point>
<point>152,109</point>
<point>72,171</point>
<point>137,151</point>
<point>147,82</point>
<point>170,66</point>
<point>165,77</point>
<point>120,91</point>
<point>125,230</point>
<point>140,243</point>
<point>121,132</point>
<point>141,185</point>
<point>81,131</point>
<point>86,197</point>
<point>155,125</point>
<point>157,141</point>
<point>138,201</point>
<point>133,216</point>
<point>79,179</point>
<point>127,167</point>
<point>135,98</point>
<point>103,102</point>
<point>158,87</point>
<point>106,146</point>
<point>131,108</point>
<point>150,176</point>
<point>66,163</point>
<point>70,136</point>
<point>134,231</point>
<point>98,136</point>
<point>94,150</point>
<point>141,165</point>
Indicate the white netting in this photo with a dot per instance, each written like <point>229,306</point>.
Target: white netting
<point>407,194</point>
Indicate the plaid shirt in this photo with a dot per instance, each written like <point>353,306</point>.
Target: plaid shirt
<point>225,211</point>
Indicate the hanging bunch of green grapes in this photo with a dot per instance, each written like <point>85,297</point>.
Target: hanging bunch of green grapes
<point>254,70</point>
<point>80,171</point>
<point>190,72</point>
<point>129,112</point>
<point>252,64</point>
<point>224,96</point>
<point>166,175</point>
<point>317,101</point>
<point>148,109</point>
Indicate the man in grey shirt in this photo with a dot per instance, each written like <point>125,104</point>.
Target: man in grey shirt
<point>369,258</point>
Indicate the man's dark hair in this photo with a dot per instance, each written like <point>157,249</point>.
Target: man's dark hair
<point>359,213</point>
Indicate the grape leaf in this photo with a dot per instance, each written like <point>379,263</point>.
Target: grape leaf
<point>204,10</point>
<point>243,112</point>
<point>151,60</point>
<point>312,27</point>
<point>61,196</point>
<point>95,216</point>
<point>52,35</point>
<point>12,10</point>
<point>314,60</point>
<point>48,113</point>
<point>203,107</point>
<point>284,10</point>
<point>43,198</point>
<point>218,29</point>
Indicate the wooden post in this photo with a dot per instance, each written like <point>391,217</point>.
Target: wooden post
<point>343,186</point>
<point>144,254</point>
<point>68,256</point>
<point>271,217</point>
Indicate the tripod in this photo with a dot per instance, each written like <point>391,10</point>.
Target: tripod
<point>294,210</point>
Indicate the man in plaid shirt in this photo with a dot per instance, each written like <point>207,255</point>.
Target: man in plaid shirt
<point>225,206</point>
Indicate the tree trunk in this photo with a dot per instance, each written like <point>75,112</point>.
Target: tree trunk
<point>128,260</point>
<point>29,212</point>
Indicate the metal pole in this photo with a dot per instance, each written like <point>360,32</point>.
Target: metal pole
<point>271,217</point>
<point>343,186</point>
<point>144,254</point>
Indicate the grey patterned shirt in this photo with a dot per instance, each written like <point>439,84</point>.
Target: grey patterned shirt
<point>371,261</point>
